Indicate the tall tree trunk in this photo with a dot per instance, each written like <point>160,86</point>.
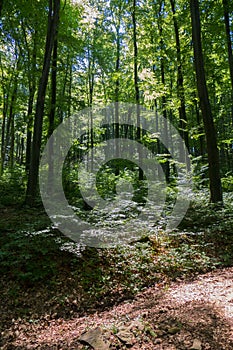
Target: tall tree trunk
<point>53,20</point>
<point>3,131</point>
<point>165,165</point>
<point>12,143</point>
<point>91,76</point>
<point>1,4</point>
<point>63,105</point>
<point>180,80</point>
<point>117,87</point>
<point>229,47</point>
<point>8,102</point>
<point>10,125</point>
<point>200,129</point>
<point>70,81</point>
<point>32,90</point>
<point>52,112</point>
<point>29,127</point>
<point>136,86</point>
<point>211,139</point>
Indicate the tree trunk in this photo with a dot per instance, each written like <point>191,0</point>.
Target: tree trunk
<point>52,112</point>
<point>32,90</point>
<point>29,129</point>
<point>53,20</point>
<point>211,139</point>
<point>180,81</point>
<point>229,47</point>
<point>9,126</point>
<point>165,165</point>
<point>200,130</point>
<point>91,77</point>
<point>1,4</point>
<point>117,87</point>
<point>12,143</point>
<point>136,86</point>
<point>3,131</point>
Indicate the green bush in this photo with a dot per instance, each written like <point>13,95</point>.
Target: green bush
<point>227,183</point>
<point>12,187</point>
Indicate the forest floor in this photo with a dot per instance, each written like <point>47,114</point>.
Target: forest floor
<point>181,315</point>
<point>175,293</point>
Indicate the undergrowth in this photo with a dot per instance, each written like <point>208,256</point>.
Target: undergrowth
<point>36,257</point>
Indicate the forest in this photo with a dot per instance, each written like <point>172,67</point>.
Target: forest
<point>116,174</point>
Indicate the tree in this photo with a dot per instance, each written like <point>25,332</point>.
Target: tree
<point>226,6</point>
<point>53,20</point>
<point>137,51</point>
<point>52,111</point>
<point>136,85</point>
<point>164,104</point>
<point>180,80</point>
<point>31,70</point>
<point>1,4</point>
<point>211,139</point>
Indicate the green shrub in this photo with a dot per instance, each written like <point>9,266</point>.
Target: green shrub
<point>227,183</point>
<point>12,187</point>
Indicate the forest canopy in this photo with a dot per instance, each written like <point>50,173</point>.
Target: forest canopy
<point>174,58</point>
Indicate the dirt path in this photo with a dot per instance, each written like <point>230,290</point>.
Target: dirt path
<point>176,316</point>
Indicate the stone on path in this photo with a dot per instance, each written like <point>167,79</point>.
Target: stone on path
<point>196,345</point>
<point>94,338</point>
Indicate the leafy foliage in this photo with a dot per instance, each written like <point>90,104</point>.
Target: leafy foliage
<point>12,187</point>
<point>44,258</point>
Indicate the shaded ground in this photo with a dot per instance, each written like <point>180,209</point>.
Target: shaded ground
<point>168,316</point>
<point>157,291</point>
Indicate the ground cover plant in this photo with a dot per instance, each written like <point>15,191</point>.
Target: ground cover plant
<point>45,273</point>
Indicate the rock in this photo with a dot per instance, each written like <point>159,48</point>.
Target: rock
<point>94,338</point>
<point>159,332</point>
<point>196,345</point>
<point>173,330</point>
<point>136,324</point>
<point>125,337</point>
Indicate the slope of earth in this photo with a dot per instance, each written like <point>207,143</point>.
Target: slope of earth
<point>179,315</point>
